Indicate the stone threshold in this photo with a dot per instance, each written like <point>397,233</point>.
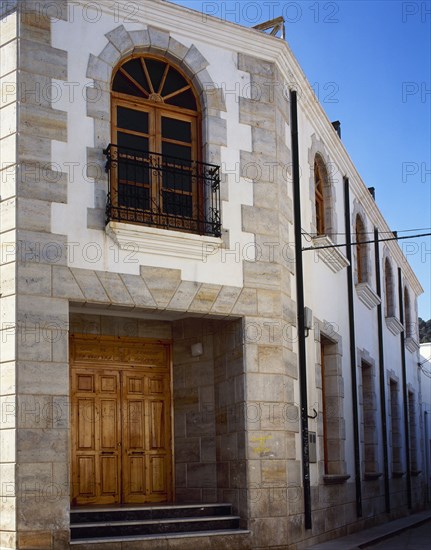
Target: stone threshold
<point>152,521</point>
<point>196,534</point>
<point>133,507</point>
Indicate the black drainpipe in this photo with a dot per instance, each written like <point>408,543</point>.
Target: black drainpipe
<point>382,372</point>
<point>302,357</point>
<point>352,348</point>
<point>405,395</point>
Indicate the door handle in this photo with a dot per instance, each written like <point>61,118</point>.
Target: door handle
<point>108,452</point>
<point>136,452</point>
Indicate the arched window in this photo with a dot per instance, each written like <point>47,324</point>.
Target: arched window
<point>407,313</point>
<point>318,195</point>
<point>361,251</point>
<point>157,177</point>
<point>389,289</point>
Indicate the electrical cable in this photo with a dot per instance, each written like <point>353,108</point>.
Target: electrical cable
<point>314,235</point>
<point>366,242</point>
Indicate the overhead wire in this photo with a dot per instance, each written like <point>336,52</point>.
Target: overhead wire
<point>366,242</point>
<point>313,235</point>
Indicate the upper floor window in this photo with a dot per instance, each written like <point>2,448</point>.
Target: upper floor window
<point>361,251</point>
<point>318,195</point>
<point>157,176</point>
<point>333,423</point>
<point>389,289</point>
<point>369,425</point>
<point>407,313</point>
<point>412,433</point>
<point>395,433</point>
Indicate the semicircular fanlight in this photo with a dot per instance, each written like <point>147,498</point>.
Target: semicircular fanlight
<point>154,80</point>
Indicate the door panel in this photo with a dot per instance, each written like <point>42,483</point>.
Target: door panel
<point>86,415</point>
<point>86,469</point>
<point>96,443</point>
<point>109,475</point>
<point>157,475</point>
<point>157,423</point>
<point>108,425</point>
<point>145,422</point>
<point>121,432</point>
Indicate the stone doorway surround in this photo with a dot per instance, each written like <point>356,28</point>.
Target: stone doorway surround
<point>204,417</point>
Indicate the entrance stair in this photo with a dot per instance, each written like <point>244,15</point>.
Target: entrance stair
<point>122,524</point>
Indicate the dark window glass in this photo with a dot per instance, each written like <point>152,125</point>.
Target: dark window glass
<point>180,152</point>
<point>177,205</point>
<point>179,179</point>
<point>130,119</point>
<point>124,86</point>
<point>186,100</point>
<point>132,143</point>
<point>133,171</point>
<point>155,70</point>
<point>135,70</point>
<point>174,81</point>
<point>133,197</point>
<point>176,129</point>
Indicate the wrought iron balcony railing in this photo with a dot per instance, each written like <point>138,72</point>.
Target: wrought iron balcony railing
<point>161,191</point>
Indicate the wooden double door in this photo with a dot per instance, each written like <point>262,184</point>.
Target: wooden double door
<point>121,422</point>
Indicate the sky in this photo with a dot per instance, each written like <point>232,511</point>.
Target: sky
<point>369,62</point>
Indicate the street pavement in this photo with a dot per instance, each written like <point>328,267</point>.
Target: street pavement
<point>406,533</point>
<point>415,538</point>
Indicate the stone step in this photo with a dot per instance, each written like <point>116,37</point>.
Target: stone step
<point>79,531</point>
<point>134,513</point>
<point>224,540</point>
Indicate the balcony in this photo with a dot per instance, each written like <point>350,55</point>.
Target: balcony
<point>159,191</point>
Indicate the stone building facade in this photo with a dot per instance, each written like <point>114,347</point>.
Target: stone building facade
<point>196,299</point>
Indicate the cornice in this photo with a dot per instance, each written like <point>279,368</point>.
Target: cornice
<point>412,345</point>
<point>332,257</point>
<point>237,38</point>
<point>394,325</point>
<point>367,295</point>
<point>164,242</point>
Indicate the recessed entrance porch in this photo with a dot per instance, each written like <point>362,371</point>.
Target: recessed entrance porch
<point>174,420</point>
